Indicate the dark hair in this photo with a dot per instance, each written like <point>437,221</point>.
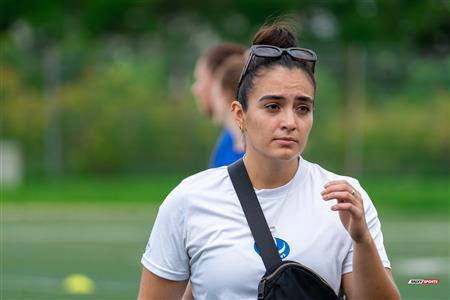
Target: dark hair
<point>228,74</point>
<point>215,56</point>
<point>280,35</point>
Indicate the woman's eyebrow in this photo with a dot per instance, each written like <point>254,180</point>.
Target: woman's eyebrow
<point>272,97</point>
<point>278,97</point>
<point>304,98</point>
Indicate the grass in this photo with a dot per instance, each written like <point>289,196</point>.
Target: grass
<point>108,188</point>
<point>409,195</point>
<point>403,195</point>
<point>99,227</point>
<point>43,242</point>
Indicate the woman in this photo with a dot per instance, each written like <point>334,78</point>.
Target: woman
<point>206,69</point>
<point>324,221</point>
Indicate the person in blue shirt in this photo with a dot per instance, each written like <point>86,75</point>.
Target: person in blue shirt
<point>229,146</point>
<point>205,72</point>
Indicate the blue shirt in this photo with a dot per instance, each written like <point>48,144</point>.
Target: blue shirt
<point>224,153</point>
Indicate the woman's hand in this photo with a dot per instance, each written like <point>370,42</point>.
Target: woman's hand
<point>367,265</point>
<point>350,207</point>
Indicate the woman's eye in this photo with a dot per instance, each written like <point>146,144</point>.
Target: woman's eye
<point>303,109</point>
<point>272,106</point>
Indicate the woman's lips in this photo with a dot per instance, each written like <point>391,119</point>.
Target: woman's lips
<point>285,141</point>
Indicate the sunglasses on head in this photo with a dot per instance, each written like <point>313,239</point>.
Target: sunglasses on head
<point>301,54</point>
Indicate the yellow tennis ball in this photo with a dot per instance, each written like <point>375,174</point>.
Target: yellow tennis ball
<point>78,284</point>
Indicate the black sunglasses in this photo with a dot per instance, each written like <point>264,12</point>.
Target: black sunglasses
<point>304,55</point>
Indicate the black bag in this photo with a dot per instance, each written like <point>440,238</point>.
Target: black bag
<point>283,279</point>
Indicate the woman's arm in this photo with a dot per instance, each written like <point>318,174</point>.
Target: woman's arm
<point>188,292</point>
<point>155,287</point>
<point>355,289</point>
<point>369,279</point>
<point>369,275</point>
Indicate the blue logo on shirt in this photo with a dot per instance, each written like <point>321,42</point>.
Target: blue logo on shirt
<point>282,247</point>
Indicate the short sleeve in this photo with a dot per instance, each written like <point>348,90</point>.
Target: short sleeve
<point>165,254</point>
<point>375,230</point>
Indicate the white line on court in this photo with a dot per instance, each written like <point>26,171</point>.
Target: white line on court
<point>41,283</point>
<point>415,231</point>
<point>421,266</point>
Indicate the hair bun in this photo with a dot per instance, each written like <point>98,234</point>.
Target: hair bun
<point>280,35</point>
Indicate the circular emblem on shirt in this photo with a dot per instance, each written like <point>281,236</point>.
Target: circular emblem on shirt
<point>282,247</point>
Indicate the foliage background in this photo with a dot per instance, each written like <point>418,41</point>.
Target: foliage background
<point>104,86</point>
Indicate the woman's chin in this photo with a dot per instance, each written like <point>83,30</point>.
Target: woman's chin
<point>286,154</point>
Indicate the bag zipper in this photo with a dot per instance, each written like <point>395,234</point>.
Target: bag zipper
<point>261,286</point>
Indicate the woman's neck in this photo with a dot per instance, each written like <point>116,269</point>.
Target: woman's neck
<point>266,173</point>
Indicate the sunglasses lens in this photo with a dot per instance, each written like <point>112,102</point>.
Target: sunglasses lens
<point>301,54</point>
<point>266,51</point>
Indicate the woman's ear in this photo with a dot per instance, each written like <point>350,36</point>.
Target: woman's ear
<point>238,114</point>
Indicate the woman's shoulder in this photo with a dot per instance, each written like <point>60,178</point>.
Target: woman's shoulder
<point>320,176</point>
<point>210,180</point>
<point>205,178</point>
<point>316,171</point>
<point>201,183</point>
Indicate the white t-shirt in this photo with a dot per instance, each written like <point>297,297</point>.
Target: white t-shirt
<point>201,233</point>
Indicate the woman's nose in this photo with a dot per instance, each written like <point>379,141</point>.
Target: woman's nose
<point>288,121</point>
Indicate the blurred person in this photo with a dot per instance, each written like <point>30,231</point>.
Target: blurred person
<point>230,146</point>
<point>326,221</point>
<point>207,65</point>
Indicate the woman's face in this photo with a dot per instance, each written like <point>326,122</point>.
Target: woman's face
<point>202,87</point>
<point>279,116</point>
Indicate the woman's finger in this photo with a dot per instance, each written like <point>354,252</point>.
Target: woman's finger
<point>335,182</point>
<point>344,196</point>
<point>341,188</point>
<point>356,212</point>
<point>339,185</point>
<point>345,206</point>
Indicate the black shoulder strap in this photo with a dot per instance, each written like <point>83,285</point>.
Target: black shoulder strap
<point>254,214</point>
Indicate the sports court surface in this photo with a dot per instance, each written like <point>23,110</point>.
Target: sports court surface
<point>44,241</point>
